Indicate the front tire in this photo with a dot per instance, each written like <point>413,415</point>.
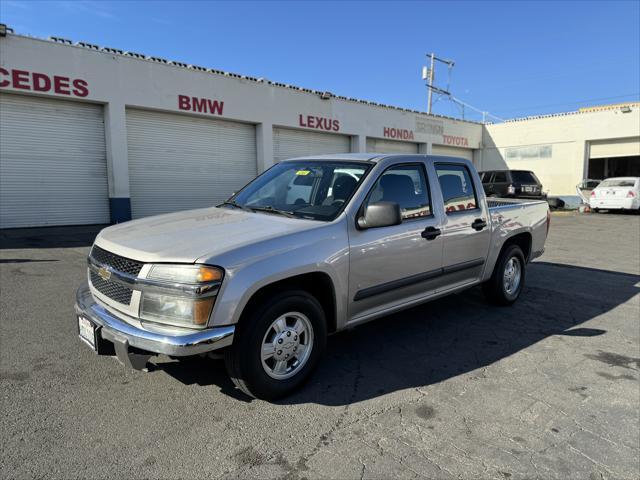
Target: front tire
<point>278,345</point>
<point>507,280</point>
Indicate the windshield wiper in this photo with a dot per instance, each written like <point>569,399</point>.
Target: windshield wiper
<point>270,209</point>
<point>236,205</point>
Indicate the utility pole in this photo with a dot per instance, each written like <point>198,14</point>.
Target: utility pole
<point>431,79</point>
<point>429,74</point>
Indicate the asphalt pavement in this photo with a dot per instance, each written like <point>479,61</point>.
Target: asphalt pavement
<point>453,389</point>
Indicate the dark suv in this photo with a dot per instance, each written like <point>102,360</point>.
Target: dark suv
<point>512,183</point>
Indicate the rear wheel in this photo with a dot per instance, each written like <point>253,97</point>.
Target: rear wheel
<point>507,280</point>
<point>277,346</point>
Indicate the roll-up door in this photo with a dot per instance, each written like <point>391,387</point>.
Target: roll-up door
<point>382,145</point>
<point>179,162</point>
<point>289,143</point>
<point>53,167</point>
<point>452,152</point>
<point>618,147</point>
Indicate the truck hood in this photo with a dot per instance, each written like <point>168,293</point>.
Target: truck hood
<point>183,237</point>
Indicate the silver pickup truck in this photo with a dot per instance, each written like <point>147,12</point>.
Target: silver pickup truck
<point>310,247</point>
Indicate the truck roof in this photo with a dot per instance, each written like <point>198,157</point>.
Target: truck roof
<point>346,157</point>
<point>363,157</point>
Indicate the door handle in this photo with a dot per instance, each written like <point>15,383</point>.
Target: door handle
<point>430,233</point>
<point>478,224</point>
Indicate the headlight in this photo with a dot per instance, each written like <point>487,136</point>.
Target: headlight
<point>190,274</point>
<point>176,310</point>
<point>180,294</point>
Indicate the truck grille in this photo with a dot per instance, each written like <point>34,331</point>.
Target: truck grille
<point>121,264</point>
<point>113,290</point>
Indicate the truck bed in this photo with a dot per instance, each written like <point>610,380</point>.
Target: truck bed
<point>495,203</point>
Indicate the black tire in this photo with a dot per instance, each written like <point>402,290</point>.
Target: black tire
<point>494,288</point>
<point>243,358</point>
<point>555,203</point>
<point>596,210</point>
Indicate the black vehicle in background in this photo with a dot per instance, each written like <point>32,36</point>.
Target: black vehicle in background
<point>512,183</point>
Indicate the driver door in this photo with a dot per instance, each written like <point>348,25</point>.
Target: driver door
<point>392,265</point>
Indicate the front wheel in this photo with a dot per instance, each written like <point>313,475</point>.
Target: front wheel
<point>277,346</point>
<point>507,280</point>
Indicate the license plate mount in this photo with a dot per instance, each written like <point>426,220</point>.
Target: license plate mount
<point>87,332</point>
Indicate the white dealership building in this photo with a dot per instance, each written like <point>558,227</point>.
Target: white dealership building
<point>92,134</point>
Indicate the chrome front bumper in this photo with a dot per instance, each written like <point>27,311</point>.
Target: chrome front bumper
<point>124,335</point>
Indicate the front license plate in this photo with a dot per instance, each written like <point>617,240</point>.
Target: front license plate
<point>87,332</point>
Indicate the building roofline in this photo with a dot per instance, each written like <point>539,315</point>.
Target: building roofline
<point>581,111</point>
<point>139,56</point>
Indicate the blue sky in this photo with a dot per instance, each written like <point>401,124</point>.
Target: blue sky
<point>512,58</point>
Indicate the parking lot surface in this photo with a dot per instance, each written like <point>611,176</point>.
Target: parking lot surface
<point>453,389</point>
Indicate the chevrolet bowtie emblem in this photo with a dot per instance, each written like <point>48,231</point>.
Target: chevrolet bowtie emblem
<point>104,274</point>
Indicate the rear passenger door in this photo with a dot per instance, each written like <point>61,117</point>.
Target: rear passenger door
<point>465,229</point>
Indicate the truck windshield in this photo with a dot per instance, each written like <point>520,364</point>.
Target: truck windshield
<point>315,190</point>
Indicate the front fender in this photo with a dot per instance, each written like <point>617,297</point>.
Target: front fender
<point>325,250</point>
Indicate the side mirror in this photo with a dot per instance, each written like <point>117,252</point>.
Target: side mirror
<point>380,214</point>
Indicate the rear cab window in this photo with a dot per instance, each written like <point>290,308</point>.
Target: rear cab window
<point>457,187</point>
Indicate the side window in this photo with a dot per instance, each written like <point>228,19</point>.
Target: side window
<point>405,185</point>
<point>457,187</point>
<point>500,177</point>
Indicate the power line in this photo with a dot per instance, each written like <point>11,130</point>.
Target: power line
<point>549,76</point>
<point>636,94</point>
<point>428,74</point>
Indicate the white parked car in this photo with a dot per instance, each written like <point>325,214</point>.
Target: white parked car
<point>620,193</point>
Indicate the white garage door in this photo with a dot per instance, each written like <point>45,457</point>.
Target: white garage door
<point>178,162</point>
<point>452,152</point>
<point>620,147</point>
<point>53,167</point>
<point>289,143</point>
<point>380,145</point>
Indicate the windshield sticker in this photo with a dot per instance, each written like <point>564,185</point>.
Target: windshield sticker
<point>303,172</point>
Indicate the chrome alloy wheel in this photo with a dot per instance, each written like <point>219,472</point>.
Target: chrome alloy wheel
<point>512,275</point>
<point>287,345</point>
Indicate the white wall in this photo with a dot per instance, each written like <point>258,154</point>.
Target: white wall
<point>568,137</point>
<point>120,81</point>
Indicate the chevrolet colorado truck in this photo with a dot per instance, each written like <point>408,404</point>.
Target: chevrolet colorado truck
<point>310,247</point>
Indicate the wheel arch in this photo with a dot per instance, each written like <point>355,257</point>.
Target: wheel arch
<point>317,284</point>
<point>524,240</point>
